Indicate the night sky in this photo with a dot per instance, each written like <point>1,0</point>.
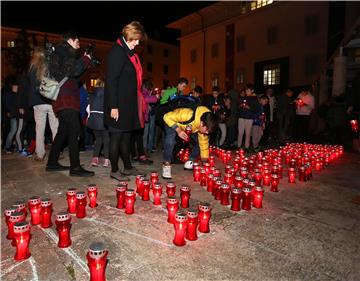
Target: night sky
<point>99,20</point>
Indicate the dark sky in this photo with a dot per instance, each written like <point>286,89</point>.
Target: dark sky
<point>100,20</point>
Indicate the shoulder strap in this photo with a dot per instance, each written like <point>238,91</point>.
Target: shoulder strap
<point>62,82</point>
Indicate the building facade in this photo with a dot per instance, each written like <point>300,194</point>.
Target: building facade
<point>278,44</point>
<point>160,60</point>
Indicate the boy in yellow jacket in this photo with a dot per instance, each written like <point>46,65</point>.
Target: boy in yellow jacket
<point>176,122</point>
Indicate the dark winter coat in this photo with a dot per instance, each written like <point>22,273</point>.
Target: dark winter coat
<point>254,105</point>
<point>65,63</point>
<point>32,90</point>
<point>11,104</point>
<point>121,90</point>
<point>96,102</point>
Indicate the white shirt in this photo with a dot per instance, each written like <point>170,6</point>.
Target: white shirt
<point>310,104</point>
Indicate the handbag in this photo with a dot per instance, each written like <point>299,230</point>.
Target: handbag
<point>49,88</point>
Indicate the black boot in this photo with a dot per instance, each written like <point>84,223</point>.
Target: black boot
<point>56,167</point>
<point>80,172</point>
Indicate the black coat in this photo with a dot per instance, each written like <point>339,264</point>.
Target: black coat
<point>96,118</point>
<point>121,90</point>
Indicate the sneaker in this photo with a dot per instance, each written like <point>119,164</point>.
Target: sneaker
<point>56,167</point>
<point>188,165</point>
<point>166,171</point>
<point>106,163</point>
<point>95,162</point>
<point>118,176</point>
<point>132,172</point>
<point>80,172</point>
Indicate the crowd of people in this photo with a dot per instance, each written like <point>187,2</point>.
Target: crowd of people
<point>126,118</point>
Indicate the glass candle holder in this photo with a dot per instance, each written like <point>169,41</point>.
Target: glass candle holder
<point>146,190</point>
<point>266,177</point>
<point>129,201</point>
<point>236,195</point>
<point>245,182</point>
<point>63,227</point>
<point>22,238</point>
<point>170,188</point>
<point>210,182</point>
<point>207,168</point>
<point>291,175</point>
<point>97,261</point>
<point>157,191</point>
<point>138,182</point>
<point>227,168</point>
<point>80,204</point>
<point>20,206</point>
<point>7,213</point>
<point>139,186</point>
<point>274,183</point>
<point>154,178</point>
<point>211,160</point>
<point>218,191</point>
<point>280,171</point>
<point>203,177</point>
<point>46,212</point>
<point>302,173</point>
<point>185,195</point>
<point>193,221</point>
<point>257,178</point>
<point>257,198</point>
<point>180,226</point>
<point>92,193</point>
<point>217,173</point>
<point>225,193</point>
<point>35,210</point>
<point>204,217</point>
<point>172,205</point>
<point>196,172</point>
<point>354,125</point>
<point>243,172</point>
<point>246,199</point>
<point>14,218</point>
<point>71,200</point>
<point>228,178</point>
<point>120,196</point>
<point>239,181</point>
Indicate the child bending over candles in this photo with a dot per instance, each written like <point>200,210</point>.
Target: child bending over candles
<point>177,122</point>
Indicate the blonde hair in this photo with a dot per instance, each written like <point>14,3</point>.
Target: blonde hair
<point>134,31</point>
<point>38,61</point>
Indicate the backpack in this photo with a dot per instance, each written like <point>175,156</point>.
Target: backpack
<point>178,102</point>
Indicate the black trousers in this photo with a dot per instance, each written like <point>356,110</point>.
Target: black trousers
<point>120,143</point>
<point>301,132</point>
<point>69,131</point>
<point>137,143</point>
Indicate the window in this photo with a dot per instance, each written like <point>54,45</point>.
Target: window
<point>193,56</point>
<point>240,76</point>
<point>166,53</point>
<point>272,35</point>
<point>311,65</point>
<point>272,75</point>
<point>240,43</point>
<point>193,82</point>
<point>311,24</point>
<point>215,50</point>
<point>10,44</point>
<point>260,3</point>
<point>149,49</point>
<point>149,66</point>
<point>215,79</point>
<point>166,69</point>
<point>92,82</point>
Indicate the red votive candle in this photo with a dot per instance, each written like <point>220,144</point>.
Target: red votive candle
<point>193,221</point>
<point>225,192</point>
<point>266,177</point>
<point>202,177</point>
<point>257,178</point>
<point>274,183</point>
<point>172,205</point>
<point>71,200</point>
<point>302,173</point>
<point>228,178</point>
<point>239,181</point>
<point>212,160</point>
<point>129,201</point>
<point>146,190</point>
<point>246,199</point>
<point>217,173</point>
<point>180,226</point>
<point>185,196</point>
<point>354,125</point>
<point>207,168</point>
<point>63,226</point>
<point>196,172</point>
<point>97,261</point>
<point>210,183</point>
<point>258,195</point>
<point>154,178</point>
<point>21,206</point>
<point>218,191</point>
<point>139,186</point>
<point>7,213</point>
<point>35,209</point>
<point>291,175</point>
<point>92,193</point>
<point>157,191</point>
<point>22,239</point>
<point>204,217</point>
<point>14,218</point>
<point>280,171</point>
<point>235,199</point>
<point>46,212</point>
<point>170,188</point>
<point>245,182</point>
<point>120,195</point>
<point>243,172</point>
<point>80,204</point>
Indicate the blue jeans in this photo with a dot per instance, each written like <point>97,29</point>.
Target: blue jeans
<point>12,132</point>
<point>170,141</point>
<point>149,134</point>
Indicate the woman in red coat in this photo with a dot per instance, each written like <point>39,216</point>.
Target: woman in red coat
<point>124,103</point>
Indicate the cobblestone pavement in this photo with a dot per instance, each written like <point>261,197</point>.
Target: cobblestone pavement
<point>307,231</point>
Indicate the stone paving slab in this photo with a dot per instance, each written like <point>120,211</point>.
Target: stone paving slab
<point>307,231</point>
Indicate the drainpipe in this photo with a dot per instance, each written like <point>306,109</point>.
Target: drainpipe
<point>204,49</point>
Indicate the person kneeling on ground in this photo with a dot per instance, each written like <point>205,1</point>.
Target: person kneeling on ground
<point>203,122</point>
